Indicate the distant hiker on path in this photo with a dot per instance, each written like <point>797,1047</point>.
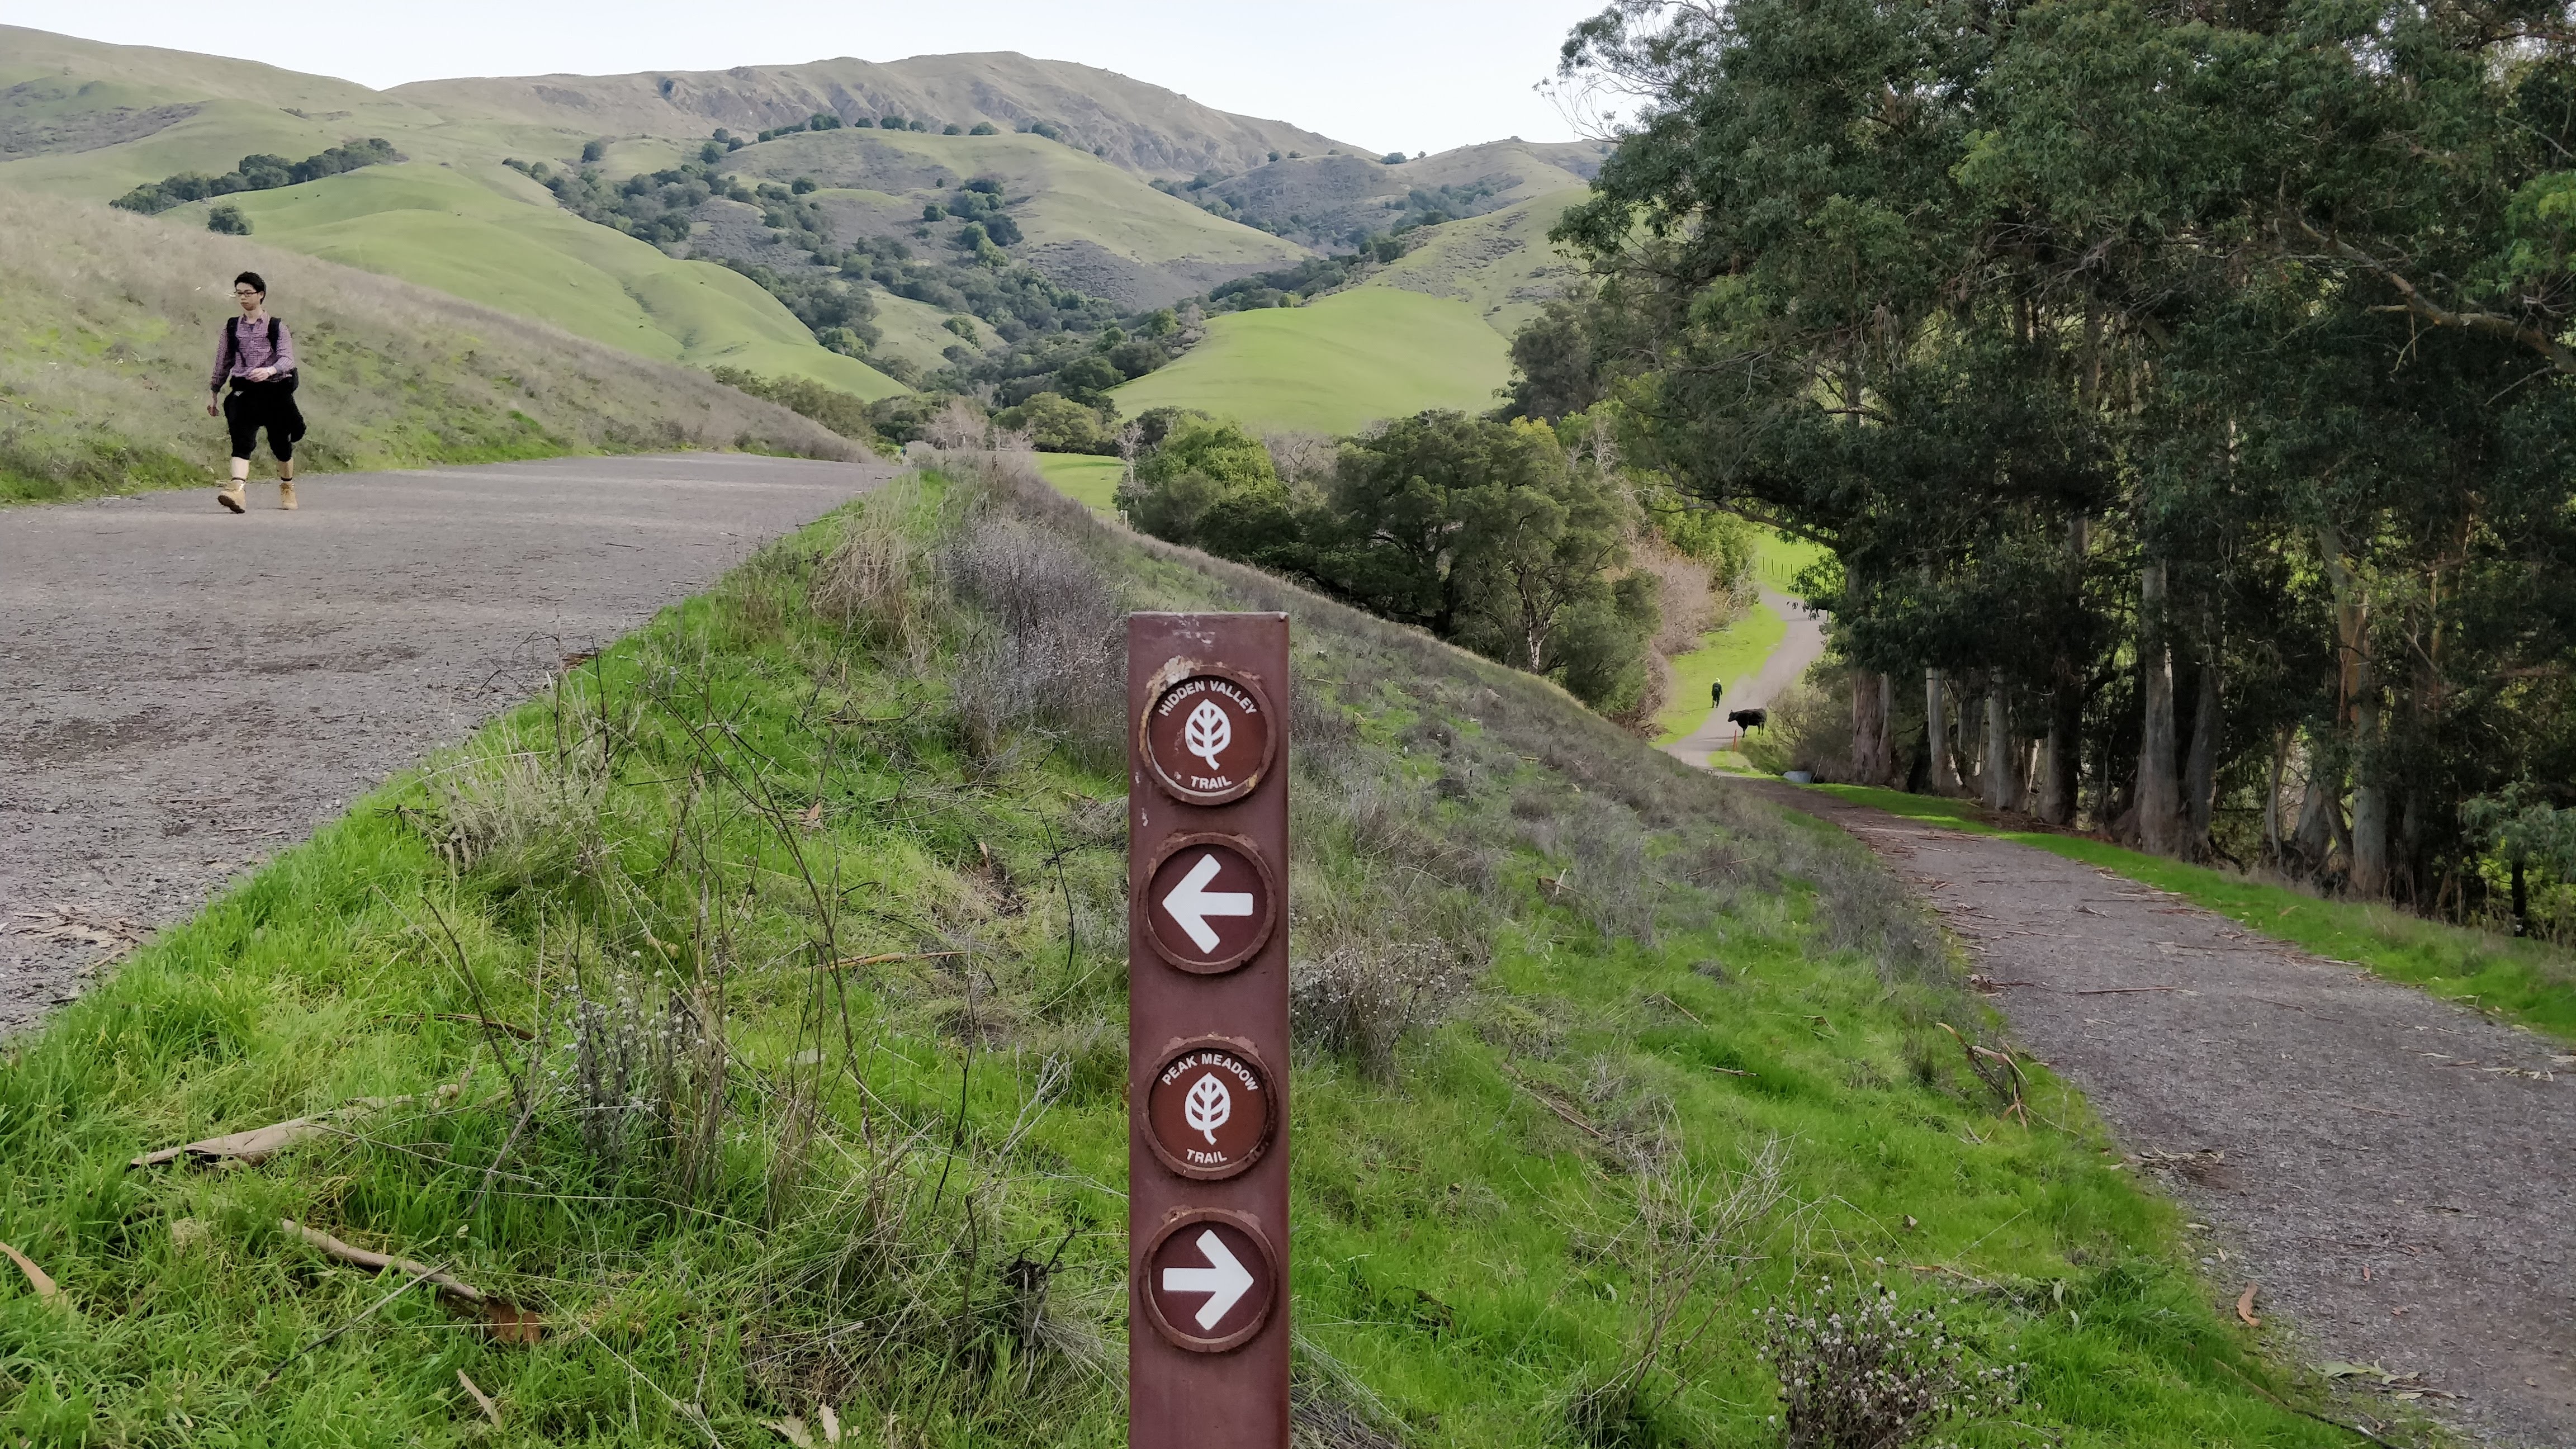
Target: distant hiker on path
<point>256,354</point>
<point>1716,692</point>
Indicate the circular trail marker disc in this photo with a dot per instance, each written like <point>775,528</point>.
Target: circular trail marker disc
<point>1209,903</point>
<point>1210,1111</point>
<point>1209,1279</point>
<point>1207,738</point>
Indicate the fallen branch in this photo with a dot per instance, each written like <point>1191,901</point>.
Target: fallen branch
<point>847,962</point>
<point>482,1400</point>
<point>1550,1103</point>
<point>265,1142</point>
<point>510,1323</point>
<point>251,1146</point>
<point>47,1290</point>
<point>2245,1306</point>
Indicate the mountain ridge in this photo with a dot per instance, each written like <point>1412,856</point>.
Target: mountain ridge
<point>1136,125</point>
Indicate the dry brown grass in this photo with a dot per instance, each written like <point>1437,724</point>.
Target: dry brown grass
<point>109,321</point>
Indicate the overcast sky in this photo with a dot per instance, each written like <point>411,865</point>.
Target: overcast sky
<point>1409,75</point>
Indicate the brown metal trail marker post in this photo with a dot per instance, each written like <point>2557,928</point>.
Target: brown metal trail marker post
<point>1207,1031</point>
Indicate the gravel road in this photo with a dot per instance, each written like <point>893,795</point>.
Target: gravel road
<point>184,692</point>
<point>2393,1171</point>
<point>1802,645</point>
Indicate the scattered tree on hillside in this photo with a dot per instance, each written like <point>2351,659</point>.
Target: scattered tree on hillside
<point>256,173</point>
<point>594,151</point>
<point>229,220</point>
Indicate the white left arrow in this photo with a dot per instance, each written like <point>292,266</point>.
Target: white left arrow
<point>1223,1280</point>
<point>1191,903</point>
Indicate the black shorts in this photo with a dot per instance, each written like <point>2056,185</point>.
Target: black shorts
<point>251,406</point>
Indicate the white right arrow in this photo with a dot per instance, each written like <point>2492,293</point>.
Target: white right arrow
<point>1224,1281</point>
<point>1191,904</point>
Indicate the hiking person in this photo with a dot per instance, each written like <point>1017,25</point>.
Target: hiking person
<point>256,354</point>
<point>1716,692</point>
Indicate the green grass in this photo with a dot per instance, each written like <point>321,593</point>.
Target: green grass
<point>109,321</point>
<point>1501,263</point>
<point>1089,480</point>
<point>1335,365</point>
<point>468,236</point>
<point>1734,654</point>
<point>1778,558</point>
<point>1664,983</point>
<point>2521,981</point>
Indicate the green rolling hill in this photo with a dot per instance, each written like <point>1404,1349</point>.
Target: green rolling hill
<point>111,324</point>
<point>1500,263</point>
<point>1140,128</point>
<point>90,121</point>
<point>484,238</point>
<point>1334,365</point>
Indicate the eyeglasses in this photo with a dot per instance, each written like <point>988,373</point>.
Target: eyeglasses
<point>245,292</point>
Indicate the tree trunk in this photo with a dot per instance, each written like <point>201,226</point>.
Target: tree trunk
<point>1936,734</point>
<point>2056,803</point>
<point>2001,782</point>
<point>2200,770</point>
<point>2272,800</point>
<point>2369,800</point>
<point>2159,796</point>
<point>1870,762</point>
<point>2320,815</point>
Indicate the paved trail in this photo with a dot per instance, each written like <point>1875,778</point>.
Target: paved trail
<point>2398,1174</point>
<point>1803,645</point>
<point>184,692</point>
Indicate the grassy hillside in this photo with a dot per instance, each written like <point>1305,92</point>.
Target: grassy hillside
<point>1088,225</point>
<point>1501,264</point>
<point>110,322</point>
<point>1089,481</point>
<point>467,235</point>
<point>1140,128</point>
<point>773,1068</point>
<point>1331,200</point>
<point>1335,365</point>
<point>453,219</point>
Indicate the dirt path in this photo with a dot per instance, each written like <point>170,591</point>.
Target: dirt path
<point>183,692</point>
<point>2398,1174</point>
<point>1803,645</point>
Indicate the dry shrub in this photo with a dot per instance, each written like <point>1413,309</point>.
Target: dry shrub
<point>1049,650</point>
<point>1861,1372</point>
<point>959,426</point>
<point>1691,1236</point>
<point>1303,460</point>
<point>515,817</point>
<point>875,582</point>
<point>1360,996</point>
<point>1810,727</point>
<point>1610,879</point>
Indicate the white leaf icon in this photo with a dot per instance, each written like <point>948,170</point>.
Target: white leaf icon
<point>1208,732</point>
<point>1208,1107</point>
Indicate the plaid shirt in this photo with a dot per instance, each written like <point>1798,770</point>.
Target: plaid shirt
<point>253,351</point>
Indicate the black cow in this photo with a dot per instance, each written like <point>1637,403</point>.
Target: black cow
<point>1749,719</point>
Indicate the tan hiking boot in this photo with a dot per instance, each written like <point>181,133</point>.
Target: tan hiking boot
<point>231,497</point>
<point>286,494</point>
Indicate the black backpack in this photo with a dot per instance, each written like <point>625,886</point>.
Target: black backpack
<point>232,349</point>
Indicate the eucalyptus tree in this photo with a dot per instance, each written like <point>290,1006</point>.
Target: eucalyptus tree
<point>2192,375</point>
